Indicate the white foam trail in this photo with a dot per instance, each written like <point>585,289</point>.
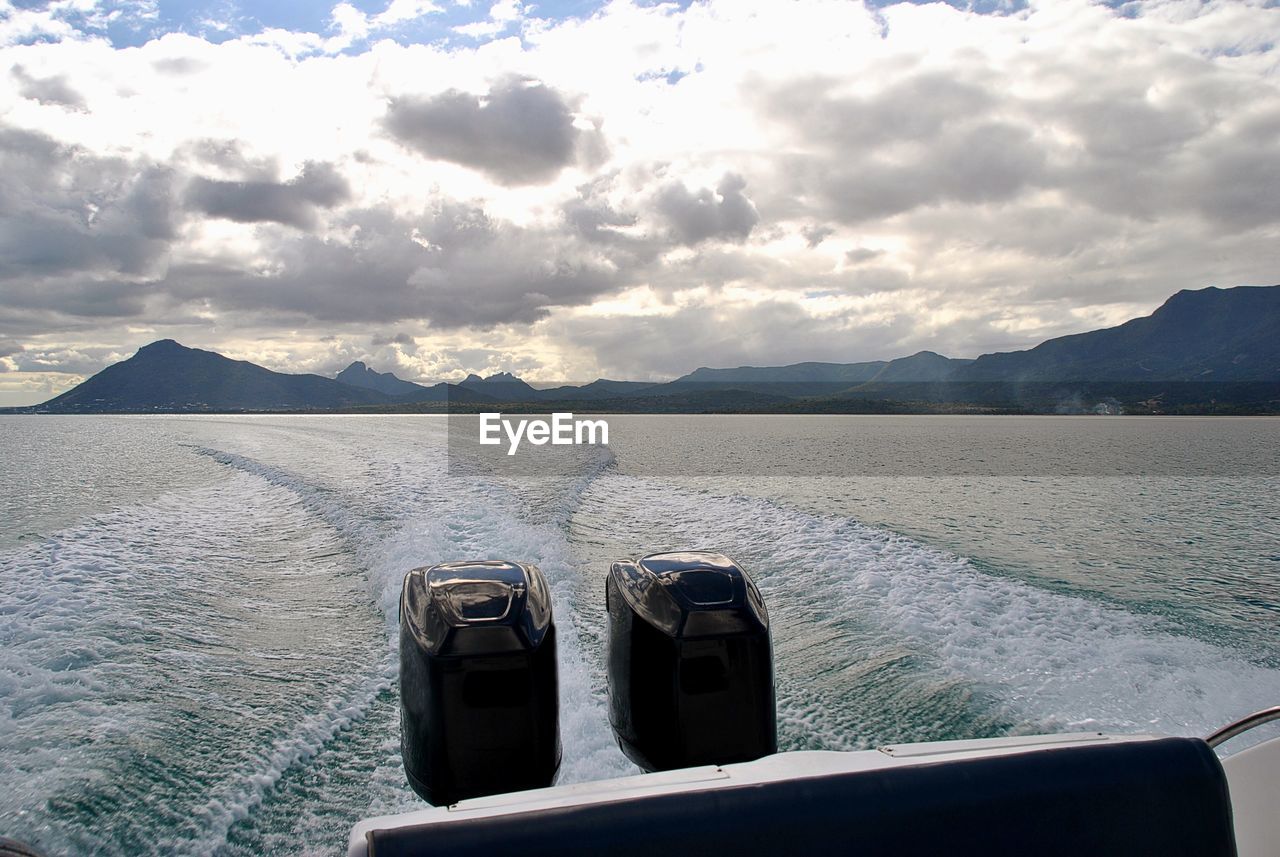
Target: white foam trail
<point>444,518</point>
<point>380,501</point>
<point>237,799</point>
<point>487,527</point>
<point>106,621</point>
<point>1057,661</point>
<point>391,504</point>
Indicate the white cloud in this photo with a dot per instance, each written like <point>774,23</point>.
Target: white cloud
<point>872,182</point>
<point>502,15</point>
<point>354,26</point>
<point>19,24</point>
<point>400,11</point>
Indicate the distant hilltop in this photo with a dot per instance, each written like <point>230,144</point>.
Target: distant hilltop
<point>1206,351</point>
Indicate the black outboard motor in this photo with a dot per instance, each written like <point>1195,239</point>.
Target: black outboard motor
<point>690,662</point>
<point>479,710</point>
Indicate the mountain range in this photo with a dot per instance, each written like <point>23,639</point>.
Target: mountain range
<point>1210,350</point>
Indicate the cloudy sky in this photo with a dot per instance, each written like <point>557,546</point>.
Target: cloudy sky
<point>576,189</point>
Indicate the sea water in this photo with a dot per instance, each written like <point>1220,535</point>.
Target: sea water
<point>198,614</point>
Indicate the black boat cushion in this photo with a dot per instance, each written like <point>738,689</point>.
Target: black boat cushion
<point>1164,797</point>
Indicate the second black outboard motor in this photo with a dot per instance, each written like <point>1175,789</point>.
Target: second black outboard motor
<point>690,662</point>
<point>479,705</point>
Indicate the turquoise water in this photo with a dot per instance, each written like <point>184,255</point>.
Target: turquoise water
<point>197,613</point>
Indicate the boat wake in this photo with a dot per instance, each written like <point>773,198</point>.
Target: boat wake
<point>212,669</point>
<point>1051,661</point>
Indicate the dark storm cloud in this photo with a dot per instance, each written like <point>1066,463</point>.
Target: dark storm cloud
<point>65,212</point>
<point>1143,136</point>
<point>454,266</point>
<point>395,339</point>
<point>33,306</point>
<point>987,162</point>
<point>1230,181</point>
<point>521,132</point>
<point>1124,125</point>
<point>230,156</point>
<point>1123,152</point>
<point>696,216</point>
<point>1205,150</point>
<point>591,215</point>
<point>592,218</point>
<point>917,109</point>
<point>292,203</point>
<point>47,90</point>
<point>488,271</point>
<point>402,339</point>
<point>923,141</point>
<point>86,238</point>
<point>32,159</point>
<point>1240,187</point>
<point>635,232</point>
<point>815,233</point>
<point>858,255</point>
<point>148,207</point>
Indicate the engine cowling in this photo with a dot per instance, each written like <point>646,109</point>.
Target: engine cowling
<point>479,704</point>
<point>690,662</point>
